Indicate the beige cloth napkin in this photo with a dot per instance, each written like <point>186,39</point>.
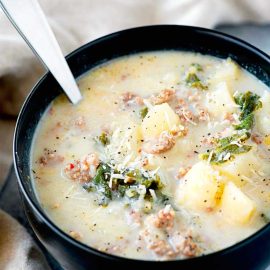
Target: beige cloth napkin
<point>17,250</point>
<point>74,23</point>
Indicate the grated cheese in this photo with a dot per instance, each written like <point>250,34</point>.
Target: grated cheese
<point>153,194</point>
<point>210,157</point>
<point>190,121</point>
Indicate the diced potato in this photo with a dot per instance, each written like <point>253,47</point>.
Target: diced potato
<point>201,190</point>
<point>226,72</point>
<point>243,165</point>
<point>125,141</point>
<point>235,206</point>
<point>231,176</point>
<point>134,137</point>
<point>220,100</point>
<point>159,118</point>
<point>263,115</point>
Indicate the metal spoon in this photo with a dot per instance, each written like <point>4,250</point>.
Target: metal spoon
<point>29,20</point>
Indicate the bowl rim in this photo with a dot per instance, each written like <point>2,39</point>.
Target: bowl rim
<point>46,220</point>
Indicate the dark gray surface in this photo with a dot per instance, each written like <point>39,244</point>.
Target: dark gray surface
<point>258,35</point>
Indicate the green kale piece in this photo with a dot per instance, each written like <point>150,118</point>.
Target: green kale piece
<point>121,187</point>
<point>219,156</point>
<point>239,138</point>
<point>149,183</point>
<point>227,148</point>
<point>143,112</point>
<point>101,181</point>
<point>103,138</point>
<point>247,123</point>
<point>197,66</point>
<point>248,102</point>
<point>193,80</point>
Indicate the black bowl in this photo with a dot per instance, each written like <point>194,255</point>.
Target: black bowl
<point>251,253</point>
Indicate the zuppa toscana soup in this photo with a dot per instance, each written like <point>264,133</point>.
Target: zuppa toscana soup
<point>166,157</point>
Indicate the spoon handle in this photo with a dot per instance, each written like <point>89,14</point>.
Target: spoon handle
<point>29,20</point>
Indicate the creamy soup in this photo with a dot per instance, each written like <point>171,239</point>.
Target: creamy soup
<point>166,157</point>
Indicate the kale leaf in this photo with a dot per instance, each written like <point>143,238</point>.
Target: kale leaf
<point>103,138</point>
<point>248,102</point>
<point>227,148</point>
<point>247,123</point>
<point>197,66</point>
<point>128,187</point>
<point>143,112</point>
<point>193,80</point>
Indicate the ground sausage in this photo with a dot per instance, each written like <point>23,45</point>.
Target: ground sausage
<point>165,218</point>
<point>50,158</point>
<point>82,170</point>
<point>165,142</point>
<point>129,98</point>
<point>165,95</point>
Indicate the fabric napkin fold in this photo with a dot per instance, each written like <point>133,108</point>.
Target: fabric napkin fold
<point>17,248</point>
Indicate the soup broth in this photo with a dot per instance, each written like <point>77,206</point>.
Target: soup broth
<point>166,157</point>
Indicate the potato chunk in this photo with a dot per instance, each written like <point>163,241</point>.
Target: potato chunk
<point>125,141</point>
<point>226,72</point>
<point>235,206</point>
<point>201,189</point>
<point>242,166</point>
<point>160,118</point>
<point>220,100</point>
